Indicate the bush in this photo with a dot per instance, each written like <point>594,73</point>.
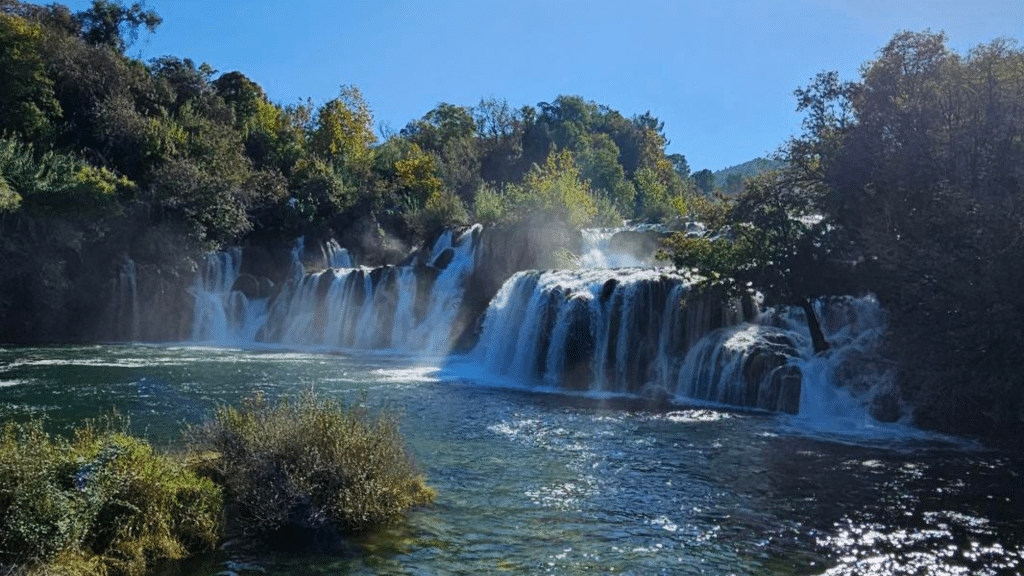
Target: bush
<point>103,503</point>
<point>442,210</point>
<point>310,464</point>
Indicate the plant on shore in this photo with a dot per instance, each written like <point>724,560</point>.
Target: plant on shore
<point>310,464</point>
<point>102,503</point>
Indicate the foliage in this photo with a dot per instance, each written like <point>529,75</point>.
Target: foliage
<point>704,180</point>
<point>318,191</point>
<point>441,210</point>
<point>924,163</point>
<point>343,131</point>
<point>550,193</point>
<point>489,207</point>
<point>311,463</point>
<point>114,24</point>
<point>53,183</point>
<point>768,239</point>
<point>103,503</point>
<point>28,106</point>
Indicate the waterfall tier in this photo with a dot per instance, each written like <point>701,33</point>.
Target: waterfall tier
<point>636,332</point>
<point>411,308</point>
<point>618,330</point>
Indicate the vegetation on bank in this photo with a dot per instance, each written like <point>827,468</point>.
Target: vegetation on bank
<point>906,183</point>
<point>107,504</point>
<point>104,157</point>
<point>102,503</point>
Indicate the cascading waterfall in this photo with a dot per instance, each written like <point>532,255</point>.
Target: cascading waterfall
<point>222,314</point>
<point>336,256</point>
<point>602,328</point>
<point>634,332</point>
<point>408,308</point>
<point>599,250</point>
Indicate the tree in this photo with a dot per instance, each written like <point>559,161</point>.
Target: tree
<point>770,240</point>
<point>599,164</point>
<point>342,132</point>
<point>680,165</point>
<point>113,24</point>
<point>28,106</point>
<point>186,82</point>
<point>924,162</point>
<point>500,131</point>
<point>704,180</point>
<point>550,193</point>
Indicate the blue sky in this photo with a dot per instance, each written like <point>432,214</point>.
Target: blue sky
<point>720,74</point>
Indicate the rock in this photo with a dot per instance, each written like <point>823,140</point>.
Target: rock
<point>608,289</point>
<point>444,259</point>
<point>247,284</point>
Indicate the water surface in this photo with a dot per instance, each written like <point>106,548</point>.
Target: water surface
<point>532,482</point>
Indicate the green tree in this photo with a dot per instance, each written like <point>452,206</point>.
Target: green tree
<point>448,134</point>
<point>704,180</point>
<point>680,165</point>
<point>552,192</point>
<point>769,239</point>
<point>599,165</point>
<point>923,160</point>
<point>113,24</point>
<point>342,132</point>
<point>28,106</point>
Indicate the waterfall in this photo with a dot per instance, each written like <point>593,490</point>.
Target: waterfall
<point>409,308</point>
<point>604,328</point>
<point>336,256</point>
<point>634,332</point>
<point>600,251</point>
<point>126,303</point>
<point>222,313</point>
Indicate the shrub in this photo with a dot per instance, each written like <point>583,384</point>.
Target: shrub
<point>442,210</point>
<point>310,464</point>
<point>103,503</point>
<point>489,206</point>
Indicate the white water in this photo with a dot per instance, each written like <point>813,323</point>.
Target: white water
<point>600,329</point>
<point>222,315</point>
<point>627,331</point>
<point>126,305</point>
<point>340,307</point>
<point>336,256</point>
<point>598,251</point>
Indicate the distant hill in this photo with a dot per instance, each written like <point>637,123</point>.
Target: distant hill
<point>730,179</point>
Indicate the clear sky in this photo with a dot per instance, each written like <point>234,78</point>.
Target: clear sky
<point>720,74</point>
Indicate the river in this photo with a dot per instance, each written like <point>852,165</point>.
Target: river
<point>534,481</point>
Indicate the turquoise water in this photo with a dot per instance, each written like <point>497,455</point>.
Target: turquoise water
<point>531,482</point>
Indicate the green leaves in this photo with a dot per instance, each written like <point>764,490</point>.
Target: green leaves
<point>103,503</point>
<point>312,463</point>
<point>114,24</point>
<point>28,106</point>
<point>552,193</point>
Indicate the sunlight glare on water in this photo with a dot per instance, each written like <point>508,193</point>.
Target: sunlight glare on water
<point>534,483</point>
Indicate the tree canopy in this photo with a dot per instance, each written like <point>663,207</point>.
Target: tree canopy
<point>905,183</point>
